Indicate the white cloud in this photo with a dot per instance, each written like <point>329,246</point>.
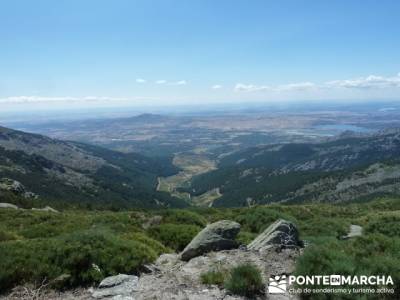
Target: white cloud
<point>141,80</point>
<point>180,82</point>
<point>301,86</point>
<point>240,87</point>
<point>371,81</point>
<point>216,87</point>
<point>368,82</point>
<point>161,81</point>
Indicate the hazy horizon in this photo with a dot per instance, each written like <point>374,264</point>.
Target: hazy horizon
<point>92,54</point>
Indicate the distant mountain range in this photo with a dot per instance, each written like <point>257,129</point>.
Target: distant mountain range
<point>85,174</point>
<point>347,168</point>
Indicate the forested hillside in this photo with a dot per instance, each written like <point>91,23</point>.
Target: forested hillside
<point>83,175</point>
<point>344,169</point>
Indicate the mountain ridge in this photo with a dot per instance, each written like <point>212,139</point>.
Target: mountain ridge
<point>78,173</point>
<point>306,171</point>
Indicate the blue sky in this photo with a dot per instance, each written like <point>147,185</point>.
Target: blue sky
<point>99,53</point>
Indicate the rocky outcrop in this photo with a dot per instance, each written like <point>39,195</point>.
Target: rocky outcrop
<point>119,287</point>
<point>8,205</point>
<point>215,237</point>
<point>174,279</point>
<point>282,233</point>
<point>46,208</point>
<point>15,187</point>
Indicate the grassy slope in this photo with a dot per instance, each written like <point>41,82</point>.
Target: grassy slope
<point>37,245</point>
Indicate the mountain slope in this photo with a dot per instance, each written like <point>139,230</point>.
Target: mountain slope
<point>74,172</point>
<point>344,169</point>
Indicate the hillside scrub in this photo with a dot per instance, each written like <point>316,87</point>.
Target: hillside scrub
<point>245,280</point>
<point>89,245</point>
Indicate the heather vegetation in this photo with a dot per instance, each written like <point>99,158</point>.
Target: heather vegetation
<point>79,248</point>
<point>245,280</point>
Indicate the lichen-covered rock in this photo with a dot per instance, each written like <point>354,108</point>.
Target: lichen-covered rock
<point>281,233</point>
<point>121,287</point>
<point>215,237</point>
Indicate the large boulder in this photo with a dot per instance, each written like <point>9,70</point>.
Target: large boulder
<point>121,287</point>
<point>215,237</point>
<point>282,233</point>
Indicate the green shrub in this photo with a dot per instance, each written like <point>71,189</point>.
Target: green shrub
<point>216,277</point>
<point>259,218</point>
<point>86,256</point>
<point>325,259</point>
<point>387,224</point>
<point>245,237</point>
<point>245,280</point>
<point>158,247</point>
<point>7,236</point>
<point>179,216</point>
<point>174,236</point>
<point>321,226</point>
<point>373,254</point>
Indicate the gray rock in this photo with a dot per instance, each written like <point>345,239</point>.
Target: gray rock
<point>8,205</point>
<point>47,208</point>
<point>119,287</point>
<point>181,280</point>
<point>215,237</point>
<point>7,184</point>
<point>15,187</point>
<point>282,233</point>
<point>354,231</point>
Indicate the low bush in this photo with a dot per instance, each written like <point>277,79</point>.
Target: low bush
<point>158,247</point>
<point>245,237</point>
<point>387,224</point>
<point>373,254</point>
<point>86,257</point>
<point>216,277</point>
<point>174,236</point>
<point>179,216</point>
<point>245,280</point>
<point>7,236</point>
<point>258,219</point>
